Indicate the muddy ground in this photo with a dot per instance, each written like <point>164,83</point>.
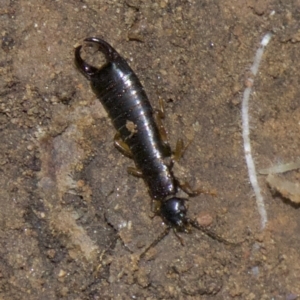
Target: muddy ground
<point>73,222</point>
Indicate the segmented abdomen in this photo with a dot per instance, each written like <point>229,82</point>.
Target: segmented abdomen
<point>126,102</point>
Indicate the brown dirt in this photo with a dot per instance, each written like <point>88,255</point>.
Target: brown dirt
<point>73,222</point>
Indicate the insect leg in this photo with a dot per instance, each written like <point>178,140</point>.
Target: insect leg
<point>186,187</point>
<point>122,146</point>
<point>178,237</point>
<point>135,172</point>
<point>160,115</point>
<point>180,149</point>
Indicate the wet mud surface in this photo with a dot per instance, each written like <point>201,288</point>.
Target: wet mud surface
<point>73,223</point>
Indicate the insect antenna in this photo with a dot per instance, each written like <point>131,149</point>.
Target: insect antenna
<point>212,234</point>
<point>156,241</point>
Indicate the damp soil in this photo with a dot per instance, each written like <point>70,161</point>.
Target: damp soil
<point>73,223</point>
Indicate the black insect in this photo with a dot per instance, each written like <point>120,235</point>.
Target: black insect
<point>126,102</point>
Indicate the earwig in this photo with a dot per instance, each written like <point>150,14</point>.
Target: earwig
<point>127,104</point>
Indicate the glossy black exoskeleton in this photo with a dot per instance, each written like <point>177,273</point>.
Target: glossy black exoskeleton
<point>127,104</point>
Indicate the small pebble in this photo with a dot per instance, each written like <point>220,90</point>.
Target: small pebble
<point>204,219</point>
